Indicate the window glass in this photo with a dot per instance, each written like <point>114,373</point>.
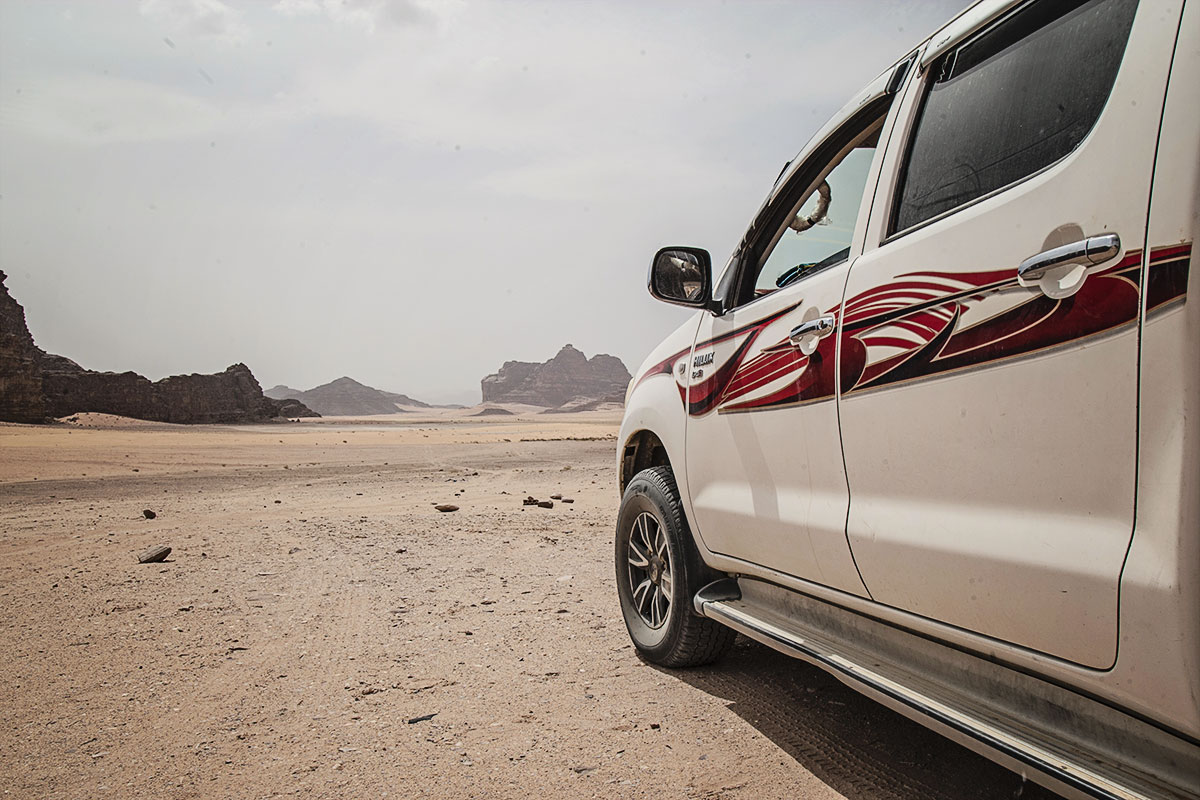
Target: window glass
<point>1011,101</point>
<point>819,234</point>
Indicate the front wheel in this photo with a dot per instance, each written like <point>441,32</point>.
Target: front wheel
<point>658,573</point>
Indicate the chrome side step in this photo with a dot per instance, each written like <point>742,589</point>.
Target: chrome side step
<point>980,728</point>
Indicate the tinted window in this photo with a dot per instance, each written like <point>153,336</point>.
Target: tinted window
<point>1007,103</point>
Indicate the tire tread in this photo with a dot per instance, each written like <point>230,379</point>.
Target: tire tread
<point>700,640</point>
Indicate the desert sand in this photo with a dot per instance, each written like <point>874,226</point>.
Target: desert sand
<point>320,630</point>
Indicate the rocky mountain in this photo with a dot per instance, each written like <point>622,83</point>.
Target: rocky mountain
<point>568,378</point>
<point>35,385</point>
<point>20,379</point>
<point>346,397</point>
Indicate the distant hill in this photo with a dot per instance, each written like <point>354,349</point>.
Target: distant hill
<point>570,381</point>
<point>282,392</point>
<point>346,397</point>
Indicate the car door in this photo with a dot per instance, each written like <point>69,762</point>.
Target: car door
<point>989,419</point>
<point>764,461</point>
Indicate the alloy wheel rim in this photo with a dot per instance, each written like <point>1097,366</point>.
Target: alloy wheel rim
<point>650,578</point>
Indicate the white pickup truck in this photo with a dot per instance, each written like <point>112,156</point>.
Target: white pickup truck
<point>935,427</point>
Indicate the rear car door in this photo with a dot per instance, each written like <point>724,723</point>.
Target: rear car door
<point>989,419</point>
<point>764,460</point>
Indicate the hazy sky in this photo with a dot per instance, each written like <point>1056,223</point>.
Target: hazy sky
<point>409,194</point>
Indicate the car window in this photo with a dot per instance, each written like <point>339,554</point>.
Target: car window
<point>819,234</point>
<point>1012,100</point>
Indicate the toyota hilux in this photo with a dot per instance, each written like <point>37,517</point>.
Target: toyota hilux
<point>934,427</point>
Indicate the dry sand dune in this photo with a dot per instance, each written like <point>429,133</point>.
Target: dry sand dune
<point>319,630</point>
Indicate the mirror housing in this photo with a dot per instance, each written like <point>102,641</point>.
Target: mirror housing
<point>682,276</point>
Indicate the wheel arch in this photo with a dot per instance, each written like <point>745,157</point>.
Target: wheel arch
<point>642,450</point>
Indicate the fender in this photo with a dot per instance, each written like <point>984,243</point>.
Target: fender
<point>654,404</point>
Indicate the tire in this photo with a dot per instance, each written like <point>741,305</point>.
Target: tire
<point>659,572</point>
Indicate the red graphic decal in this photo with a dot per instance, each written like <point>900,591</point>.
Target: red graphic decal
<point>918,323</point>
<point>941,343</point>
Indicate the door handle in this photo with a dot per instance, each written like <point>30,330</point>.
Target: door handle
<point>806,335</point>
<point>1087,252</point>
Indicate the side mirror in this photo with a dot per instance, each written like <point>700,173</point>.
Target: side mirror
<point>682,275</point>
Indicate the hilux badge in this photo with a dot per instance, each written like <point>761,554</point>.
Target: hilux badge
<point>703,360</point>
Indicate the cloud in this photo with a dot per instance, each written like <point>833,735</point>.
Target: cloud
<point>203,19</point>
<point>610,177</point>
<point>366,14</point>
<point>100,109</point>
<point>514,79</point>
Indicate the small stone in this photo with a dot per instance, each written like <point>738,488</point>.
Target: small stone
<point>154,554</point>
<point>444,507</point>
<point>546,504</point>
<point>148,514</point>
<point>530,501</point>
<point>422,718</point>
<point>556,497</point>
<point>568,499</point>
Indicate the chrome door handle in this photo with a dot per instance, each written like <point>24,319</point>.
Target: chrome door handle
<point>806,335</point>
<point>1089,252</point>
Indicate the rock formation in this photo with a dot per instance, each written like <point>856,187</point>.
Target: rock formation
<point>35,385</point>
<point>569,377</point>
<point>20,379</point>
<point>346,397</point>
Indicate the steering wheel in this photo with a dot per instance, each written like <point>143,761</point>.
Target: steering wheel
<point>824,195</point>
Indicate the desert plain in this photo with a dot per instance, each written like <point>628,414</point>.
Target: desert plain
<point>321,630</point>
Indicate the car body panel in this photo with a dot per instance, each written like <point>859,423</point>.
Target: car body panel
<point>763,457</point>
<point>1158,670</point>
<point>752,396</point>
<point>990,430</point>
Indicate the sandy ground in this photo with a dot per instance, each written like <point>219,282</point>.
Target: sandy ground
<point>321,631</point>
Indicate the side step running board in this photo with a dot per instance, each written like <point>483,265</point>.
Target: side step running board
<point>720,601</point>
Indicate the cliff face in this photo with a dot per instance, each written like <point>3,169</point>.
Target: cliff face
<point>20,379</point>
<point>230,396</point>
<point>35,385</point>
<point>227,397</point>
<point>569,377</point>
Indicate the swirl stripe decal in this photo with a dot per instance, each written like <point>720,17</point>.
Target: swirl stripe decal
<point>919,326</point>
